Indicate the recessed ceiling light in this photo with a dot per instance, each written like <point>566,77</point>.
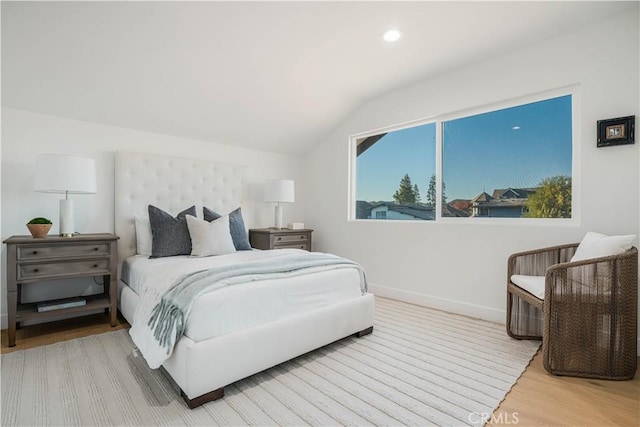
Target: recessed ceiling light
<point>516,128</point>
<point>391,35</point>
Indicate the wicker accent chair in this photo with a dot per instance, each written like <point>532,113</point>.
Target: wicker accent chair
<point>585,312</point>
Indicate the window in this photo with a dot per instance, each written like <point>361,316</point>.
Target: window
<point>395,174</point>
<point>381,215</point>
<point>514,162</point>
<point>509,163</point>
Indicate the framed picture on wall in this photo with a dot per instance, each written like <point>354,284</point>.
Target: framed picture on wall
<point>618,131</point>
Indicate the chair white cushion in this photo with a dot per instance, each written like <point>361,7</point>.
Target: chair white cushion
<point>532,284</point>
<point>596,245</point>
<point>210,238</point>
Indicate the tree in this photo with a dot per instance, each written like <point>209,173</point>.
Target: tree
<point>444,193</point>
<point>431,192</point>
<point>552,199</point>
<point>416,192</point>
<point>407,192</point>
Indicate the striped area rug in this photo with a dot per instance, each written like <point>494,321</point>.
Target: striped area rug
<point>419,367</point>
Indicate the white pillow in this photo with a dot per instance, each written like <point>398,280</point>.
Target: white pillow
<point>596,245</point>
<point>143,235</point>
<point>210,238</point>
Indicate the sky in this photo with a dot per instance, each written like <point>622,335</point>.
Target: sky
<point>406,151</point>
<point>515,147</point>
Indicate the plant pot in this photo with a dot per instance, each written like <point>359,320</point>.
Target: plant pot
<point>39,230</point>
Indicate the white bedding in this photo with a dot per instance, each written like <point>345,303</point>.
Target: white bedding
<point>238,307</point>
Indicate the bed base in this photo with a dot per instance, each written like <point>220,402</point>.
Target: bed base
<point>202,369</point>
<point>219,393</point>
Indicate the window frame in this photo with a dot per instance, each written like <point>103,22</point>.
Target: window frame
<point>353,156</point>
<point>576,175</point>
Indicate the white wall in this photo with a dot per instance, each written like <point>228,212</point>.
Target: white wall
<point>462,267</point>
<point>25,134</point>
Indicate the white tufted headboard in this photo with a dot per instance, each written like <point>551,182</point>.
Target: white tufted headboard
<point>172,184</point>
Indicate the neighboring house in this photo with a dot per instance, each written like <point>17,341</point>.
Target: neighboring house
<point>463,205</point>
<point>457,208</point>
<point>503,203</point>
<point>392,210</point>
<point>363,209</point>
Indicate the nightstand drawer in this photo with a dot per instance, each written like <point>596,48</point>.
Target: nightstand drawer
<point>290,238</point>
<point>304,246</point>
<point>50,270</point>
<point>32,252</point>
<point>271,238</point>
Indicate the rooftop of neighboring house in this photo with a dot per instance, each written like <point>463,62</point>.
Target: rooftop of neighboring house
<point>482,197</point>
<point>416,210</point>
<point>504,203</point>
<point>504,196</point>
<point>513,193</point>
<point>450,210</point>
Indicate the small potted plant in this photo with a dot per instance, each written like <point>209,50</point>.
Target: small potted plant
<point>39,227</point>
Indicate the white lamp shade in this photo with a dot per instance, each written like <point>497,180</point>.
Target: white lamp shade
<point>60,173</point>
<point>279,190</point>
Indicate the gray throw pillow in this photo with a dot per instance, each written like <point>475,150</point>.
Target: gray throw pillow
<point>170,236</point>
<point>236,227</point>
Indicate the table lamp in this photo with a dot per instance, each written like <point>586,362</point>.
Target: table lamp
<point>279,191</point>
<point>65,174</point>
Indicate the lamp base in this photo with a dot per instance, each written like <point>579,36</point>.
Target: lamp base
<point>66,218</point>
<point>278,217</point>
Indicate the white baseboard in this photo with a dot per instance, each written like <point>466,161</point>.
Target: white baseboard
<point>466,309</point>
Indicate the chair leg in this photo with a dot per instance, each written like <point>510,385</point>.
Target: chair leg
<point>508,322</point>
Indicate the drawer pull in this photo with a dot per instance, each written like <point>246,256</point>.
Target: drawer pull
<point>279,238</point>
<point>302,237</point>
<point>96,249</point>
<point>95,265</point>
<point>35,270</point>
<point>35,252</point>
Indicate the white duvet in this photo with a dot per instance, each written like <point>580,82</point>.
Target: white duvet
<point>236,307</point>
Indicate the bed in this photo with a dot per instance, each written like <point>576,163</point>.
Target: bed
<point>250,338</point>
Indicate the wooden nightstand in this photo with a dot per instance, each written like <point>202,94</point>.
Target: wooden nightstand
<point>271,238</point>
<point>53,257</point>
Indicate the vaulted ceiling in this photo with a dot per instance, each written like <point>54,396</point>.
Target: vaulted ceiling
<point>276,76</point>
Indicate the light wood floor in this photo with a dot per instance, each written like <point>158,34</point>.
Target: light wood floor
<point>537,399</point>
<point>541,399</point>
<point>49,333</point>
